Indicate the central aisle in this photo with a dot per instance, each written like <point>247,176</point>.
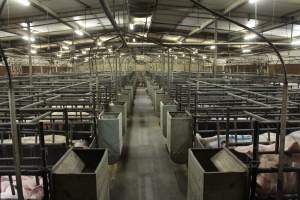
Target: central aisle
<point>146,172</point>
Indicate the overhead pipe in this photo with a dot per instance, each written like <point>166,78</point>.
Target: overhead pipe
<point>170,44</point>
<point>283,116</point>
<point>2,5</point>
<point>112,20</point>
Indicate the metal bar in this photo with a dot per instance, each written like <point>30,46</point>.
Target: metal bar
<point>46,92</point>
<point>258,118</point>
<point>40,102</point>
<point>248,100</point>
<point>34,120</point>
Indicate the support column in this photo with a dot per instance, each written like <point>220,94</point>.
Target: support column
<point>29,52</point>
<point>198,63</point>
<point>168,78</point>
<point>216,49</point>
<point>190,63</point>
<point>116,72</point>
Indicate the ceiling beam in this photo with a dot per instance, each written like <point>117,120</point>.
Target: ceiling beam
<point>20,33</point>
<point>231,7</point>
<point>112,20</point>
<point>268,27</point>
<point>54,15</point>
<point>83,3</point>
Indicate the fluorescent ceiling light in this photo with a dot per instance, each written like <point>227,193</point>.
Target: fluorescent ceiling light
<point>23,24</point>
<point>142,21</point>
<point>193,59</point>
<point>212,47</point>
<point>295,42</point>
<point>68,42</point>
<point>83,52</point>
<point>99,43</point>
<point>76,18</point>
<point>32,39</point>
<point>59,55</point>
<point>65,47</point>
<point>253,1</point>
<point>246,50</point>
<point>36,46</point>
<point>79,32</point>
<point>159,56</point>
<point>131,26</point>
<point>204,56</point>
<point>75,57</point>
<point>251,23</point>
<point>33,51</point>
<point>24,2</point>
<point>134,40</point>
<point>250,37</point>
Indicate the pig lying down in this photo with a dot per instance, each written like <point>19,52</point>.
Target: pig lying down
<point>49,139</point>
<point>267,182</point>
<point>212,142</point>
<point>31,190</point>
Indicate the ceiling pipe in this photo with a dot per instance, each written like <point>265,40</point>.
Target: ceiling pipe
<point>206,44</point>
<point>112,20</point>
<point>2,5</point>
<point>283,115</point>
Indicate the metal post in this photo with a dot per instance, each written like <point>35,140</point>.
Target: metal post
<point>190,63</point>
<point>43,161</point>
<point>16,142</point>
<point>116,73</point>
<point>120,69</point>
<point>280,178</point>
<point>168,78</point>
<point>66,127</point>
<point>163,70</point>
<point>227,126</point>
<point>255,162</point>
<point>198,63</point>
<point>97,91</point>
<point>14,131</point>
<point>92,65</point>
<point>29,52</point>
<point>216,49</point>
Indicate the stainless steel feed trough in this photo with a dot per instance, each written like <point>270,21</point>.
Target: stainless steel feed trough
<point>120,107</point>
<point>165,107</point>
<point>125,96</point>
<point>81,174</point>
<point>179,135</point>
<point>110,135</point>
<point>216,175</point>
<point>158,96</point>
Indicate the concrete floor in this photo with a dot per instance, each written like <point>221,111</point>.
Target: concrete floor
<point>146,171</point>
